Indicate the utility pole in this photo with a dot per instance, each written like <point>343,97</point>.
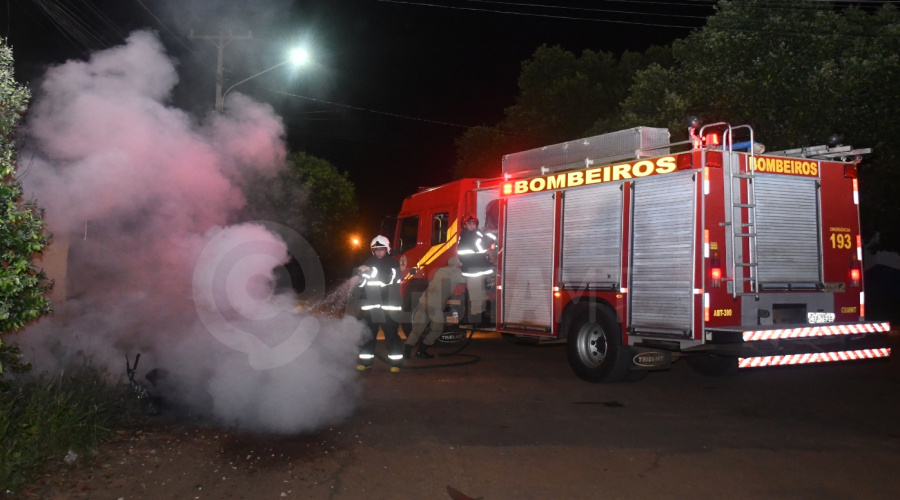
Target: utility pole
<point>220,41</point>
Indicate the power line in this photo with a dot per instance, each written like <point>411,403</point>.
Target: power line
<point>104,19</point>
<point>571,18</point>
<point>528,14</point>
<point>72,25</point>
<point>689,3</point>
<point>367,110</point>
<point>158,20</point>
<point>707,4</point>
<point>587,9</point>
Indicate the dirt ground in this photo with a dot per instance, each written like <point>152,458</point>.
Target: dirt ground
<point>176,460</point>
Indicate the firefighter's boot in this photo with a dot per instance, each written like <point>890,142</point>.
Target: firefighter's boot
<point>407,351</point>
<point>423,352</point>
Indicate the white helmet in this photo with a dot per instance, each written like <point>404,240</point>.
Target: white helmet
<point>380,242</point>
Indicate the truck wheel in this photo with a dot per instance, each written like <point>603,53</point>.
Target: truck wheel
<point>594,346</point>
<point>713,366</point>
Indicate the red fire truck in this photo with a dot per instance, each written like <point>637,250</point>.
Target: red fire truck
<point>636,251</point>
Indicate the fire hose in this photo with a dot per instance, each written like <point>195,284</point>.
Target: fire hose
<point>471,358</point>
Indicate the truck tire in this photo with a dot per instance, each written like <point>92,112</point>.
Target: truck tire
<point>712,365</point>
<point>594,346</point>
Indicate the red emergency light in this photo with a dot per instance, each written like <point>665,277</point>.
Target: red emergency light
<point>696,142</point>
<point>716,273</point>
<point>711,139</point>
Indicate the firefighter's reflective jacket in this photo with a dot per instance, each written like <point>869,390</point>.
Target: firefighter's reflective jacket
<point>473,252</point>
<point>380,284</point>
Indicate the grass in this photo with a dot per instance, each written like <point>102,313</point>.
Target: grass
<point>41,420</point>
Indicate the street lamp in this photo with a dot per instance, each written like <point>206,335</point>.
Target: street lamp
<point>298,56</point>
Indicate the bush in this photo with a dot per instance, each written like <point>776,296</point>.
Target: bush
<point>22,285</point>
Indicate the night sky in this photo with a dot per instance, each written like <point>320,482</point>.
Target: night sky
<point>393,84</point>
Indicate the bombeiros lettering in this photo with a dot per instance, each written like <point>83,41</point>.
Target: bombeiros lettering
<point>787,166</point>
<point>609,173</point>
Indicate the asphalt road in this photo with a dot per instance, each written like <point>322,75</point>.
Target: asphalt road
<point>518,424</point>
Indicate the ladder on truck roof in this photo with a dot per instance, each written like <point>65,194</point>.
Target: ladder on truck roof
<point>839,153</point>
<point>741,228</point>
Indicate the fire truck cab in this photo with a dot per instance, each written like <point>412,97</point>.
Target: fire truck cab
<point>427,231</point>
<point>637,250</point>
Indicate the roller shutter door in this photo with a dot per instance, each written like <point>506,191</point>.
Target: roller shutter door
<point>592,237</point>
<point>661,287</point>
<point>528,261</point>
<point>787,228</point>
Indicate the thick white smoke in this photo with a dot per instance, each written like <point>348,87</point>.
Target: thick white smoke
<point>140,195</point>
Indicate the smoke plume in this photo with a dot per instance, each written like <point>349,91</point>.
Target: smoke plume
<point>139,196</point>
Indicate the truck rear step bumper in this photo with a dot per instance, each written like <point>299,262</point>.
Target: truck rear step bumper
<point>799,344</point>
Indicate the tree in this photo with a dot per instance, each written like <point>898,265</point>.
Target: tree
<point>798,71</point>
<point>561,96</point>
<point>23,286</point>
<point>312,197</point>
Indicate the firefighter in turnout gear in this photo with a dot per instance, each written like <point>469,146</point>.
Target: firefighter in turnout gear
<point>430,311</point>
<point>473,249</point>
<point>380,303</point>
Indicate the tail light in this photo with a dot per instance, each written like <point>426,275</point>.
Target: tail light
<point>855,273</point>
<point>715,265</point>
<point>855,263</point>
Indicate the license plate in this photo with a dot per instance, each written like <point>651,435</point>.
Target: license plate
<point>819,317</point>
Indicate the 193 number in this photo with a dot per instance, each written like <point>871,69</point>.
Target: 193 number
<point>840,241</point>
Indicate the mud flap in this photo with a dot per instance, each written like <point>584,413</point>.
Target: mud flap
<point>650,359</point>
